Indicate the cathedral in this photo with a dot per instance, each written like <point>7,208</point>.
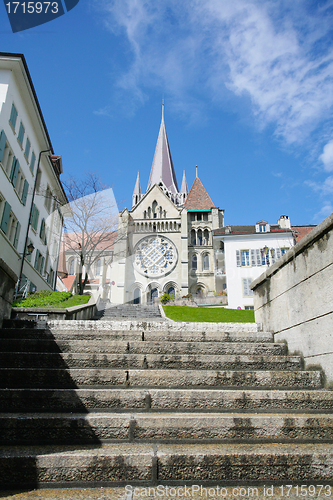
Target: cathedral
<point>165,242</point>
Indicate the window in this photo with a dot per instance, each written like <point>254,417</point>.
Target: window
<point>284,250</point>
<point>21,134</point>
<point>71,266</point>
<point>194,262</point>
<point>171,291</point>
<point>48,199</point>
<point>39,262</point>
<point>255,257</point>
<point>265,260</point>
<point>3,141</point>
<point>32,162</point>
<point>206,262</point>
<point>199,237</point>
<point>206,237</point>
<point>249,308</point>
<point>245,258</point>
<point>27,149</point>
<point>247,292</point>
<point>13,117</point>
<point>193,237</point>
<point>199,216</point>
<point>262,229</point>
<point>34,217</point>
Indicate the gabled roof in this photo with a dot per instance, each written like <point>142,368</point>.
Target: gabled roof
<point>149,192</point>
<point>251,229</point>
<point>162,168</point>
<point>198,198</point>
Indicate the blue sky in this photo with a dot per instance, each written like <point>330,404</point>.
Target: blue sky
<point>248,97</point>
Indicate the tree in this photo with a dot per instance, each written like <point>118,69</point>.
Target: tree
<point>91,222</point>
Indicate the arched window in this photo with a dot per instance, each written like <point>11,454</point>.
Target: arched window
<point>206,262</point>
<point>171,291</point>
<point>193,237</point>
<point>98,267</point>
<point>194,262</point>
<point>206,237</point>
<point>145,214</point>
<point>199,238</point>
<point>71,266</point>
<point>154,207</point>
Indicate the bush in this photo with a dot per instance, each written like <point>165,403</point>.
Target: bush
<point>165,298</point>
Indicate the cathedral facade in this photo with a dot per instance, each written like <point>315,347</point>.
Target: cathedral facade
<point>165,242</point>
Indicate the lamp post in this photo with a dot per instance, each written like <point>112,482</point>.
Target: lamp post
<point>28,225</point>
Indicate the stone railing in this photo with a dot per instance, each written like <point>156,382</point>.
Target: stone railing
<point>83,311</point>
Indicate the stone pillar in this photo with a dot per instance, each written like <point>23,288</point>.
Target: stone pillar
<point>8,280</point>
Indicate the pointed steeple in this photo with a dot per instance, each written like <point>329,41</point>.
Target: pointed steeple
<point>137,192</point>
<point>184,188</point>
<point>162,169</point>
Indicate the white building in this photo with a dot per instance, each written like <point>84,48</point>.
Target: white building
<point>242,253</point>
<point>30,186</point>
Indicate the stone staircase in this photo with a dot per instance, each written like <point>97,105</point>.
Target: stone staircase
<point>87,404</point>
<point>131,311</point>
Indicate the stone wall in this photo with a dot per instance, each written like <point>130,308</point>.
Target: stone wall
<point>8,281</point>
<point>294,298</point>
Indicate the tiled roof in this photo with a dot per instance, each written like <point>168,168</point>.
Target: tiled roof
<point>107,242</point>
<point>249,230</point>
<point>301,231</point>
<point>198,198</point>
<point>69,281</point>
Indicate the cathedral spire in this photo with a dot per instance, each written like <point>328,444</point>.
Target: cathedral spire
<point>137,191</point>
<point>184,188</point>
<point>162,169</point>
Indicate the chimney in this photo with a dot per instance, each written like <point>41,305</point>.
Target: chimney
<point>284,222</point>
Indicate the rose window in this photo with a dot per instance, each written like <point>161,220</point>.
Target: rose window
<point>155,256</point>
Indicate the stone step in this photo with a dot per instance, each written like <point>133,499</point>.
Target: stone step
<point>156,399</point>
<point>33,429</point>
<point>221,464</point>
<point>151,361</point>
<point>146,347</point>
<point>128,335</point>
<point>68,378</point>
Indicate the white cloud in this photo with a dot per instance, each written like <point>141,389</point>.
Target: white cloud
<point>325,211</point>
<point>327,156</point>
<point>277,53</point>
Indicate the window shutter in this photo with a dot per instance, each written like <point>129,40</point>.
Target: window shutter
<point>258,257</point>
<point>253,257</point>
<point>14,171</point>
<point>42,229</point>
<point>238,260</point>
<point>21,133</point>
<point>27,148</point>
<point>13,116</point>
<point>3,139</point>
<point>36,259</point>
<point>5,217</point>
<point>25,192</point>
<point>42,265</point>
<point>17,234</point>
<point>32,162</point>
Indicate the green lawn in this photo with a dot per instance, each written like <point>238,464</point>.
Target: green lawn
<point>53,300</point>
<point>208,314</point>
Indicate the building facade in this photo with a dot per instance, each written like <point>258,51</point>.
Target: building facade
<point>242,253</point>
<point>30,188</point>
<point>165,242</point>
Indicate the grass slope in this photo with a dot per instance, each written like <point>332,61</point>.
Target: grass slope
<point>52,300</point>
<point>207,314</point>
